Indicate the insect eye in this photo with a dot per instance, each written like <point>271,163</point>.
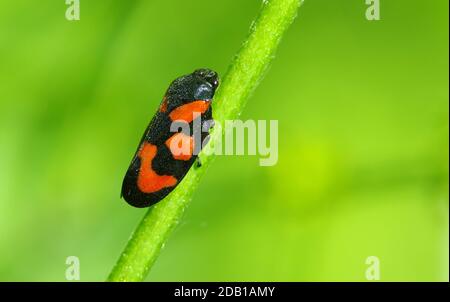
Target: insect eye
<point>203,91</point>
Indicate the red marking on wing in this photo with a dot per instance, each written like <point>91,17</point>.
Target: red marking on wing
<point>163,107</point>
<point>186,112</point>
<point>148,181</point>
<point>181,146</point>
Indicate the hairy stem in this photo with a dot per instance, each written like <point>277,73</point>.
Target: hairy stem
<point>244,74</point>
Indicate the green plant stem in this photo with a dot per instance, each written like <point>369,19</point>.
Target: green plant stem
<point>244,74</point>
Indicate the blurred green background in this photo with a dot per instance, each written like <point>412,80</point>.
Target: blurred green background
<point>363,152</point>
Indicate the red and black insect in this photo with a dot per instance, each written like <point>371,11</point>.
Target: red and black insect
<point>156,169</point>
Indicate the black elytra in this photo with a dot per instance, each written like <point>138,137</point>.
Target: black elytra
<point>156,169</point>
